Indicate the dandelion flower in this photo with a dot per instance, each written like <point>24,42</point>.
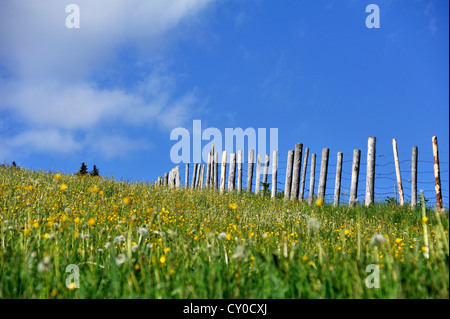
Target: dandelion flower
<point>377,240</point>
<point>240,251</point>
<point>313,224</point>
<point>91,221</point>
<point>398,240</point>
<point>119,239</point>
<point>120,259</point>
<point>222,236</point>
<point>319,202</point>
<point>143,231</point>
<point>44,265</point>
<point>127,200</point>
<point>58,176</point>
<point>63,187</point>
<point>26,231</point>
<point>162,259</point>
<point>72,286</point>
<point>232,206</point>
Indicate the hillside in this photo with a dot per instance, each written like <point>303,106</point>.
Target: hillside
<point>136,240</point>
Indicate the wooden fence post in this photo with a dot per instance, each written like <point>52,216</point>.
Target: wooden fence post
<point>305,166</point>
<point>370,172</point>
<point>202,176</point>
<point>251,164</point>
<point>166,179</point>
<point>437,175</point>
<point>355,177</point>
<point>186,176</point>
<point>239,170</point>
<point>194,175</point>
<point>312,178</point>
<point>337,185</point>
<point>296,171</point>
<point>171,178</point>
<point>216,170</point>
<point>274,174</point>
<point>177,176</point>
<point>212,167</point>
<point>397,172</point>
<point>414,177</point>
<point>223,171</point>
<point>258,173</point>
<point>232,173</point>
<point>323,174</point>
<point>288,180</point>
<point>266,168</point>
<point>208,171</point>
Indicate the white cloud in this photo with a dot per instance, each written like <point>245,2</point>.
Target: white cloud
<point>49,87</point>
<point>47,140</point>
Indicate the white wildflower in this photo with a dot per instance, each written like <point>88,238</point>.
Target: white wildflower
<point>120,259</point>
<point>44,265</point>
<point>313,224</point>
<point>222,236</point>
<point>143,231</point>
<point>377,240</point>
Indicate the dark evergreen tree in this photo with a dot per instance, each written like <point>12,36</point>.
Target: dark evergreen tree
<point>14,164</point>
<point>95,171</point>
<point>83,170</point>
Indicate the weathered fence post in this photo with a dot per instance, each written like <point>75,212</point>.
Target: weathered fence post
<point>199,170</point>
<point>437,175</point>
<point>166,179</point>
<point>337,184</point>
<point>177,176</point>
<point>355,177</point>
<point>232,173</point>
<point>208,171</point>
<point>216,170</point>
<point>194,175</point>
<point>305,166</point>
<point>296,171</point>
<point>239,170</point>
<point>202,175</point>
<point>312,178</point>
<point>288,181</point>
<point>171,178</point>
<point>274,174</point>
<point>397,172</point>
<point>251,164</point>
<point>212,167</point>
<point>223,171</point>
<point>266,168</point>
<point>258,173</point>
<point>186,176</point>
<point>323,174</point>
<point>370,172</point>
<point>414,177</point>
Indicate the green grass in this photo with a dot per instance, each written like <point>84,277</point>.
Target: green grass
<point>269,249</point>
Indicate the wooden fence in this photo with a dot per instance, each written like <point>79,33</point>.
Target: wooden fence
<point>207,175</point>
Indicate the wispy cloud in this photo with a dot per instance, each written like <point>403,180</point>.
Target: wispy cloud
<point>47,75</point>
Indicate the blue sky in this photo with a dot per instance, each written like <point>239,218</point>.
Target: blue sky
<point>110,92</point>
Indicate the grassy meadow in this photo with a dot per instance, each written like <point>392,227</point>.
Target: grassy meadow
<point>135,240</point>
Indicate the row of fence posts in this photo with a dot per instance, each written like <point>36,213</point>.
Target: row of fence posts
<point>296,173</point>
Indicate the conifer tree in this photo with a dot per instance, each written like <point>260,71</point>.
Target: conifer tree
<point>95,171</point>
<point>83,170</point>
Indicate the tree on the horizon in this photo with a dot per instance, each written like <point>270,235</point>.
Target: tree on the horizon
<point>95,171</point>
<point>83,169</point>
